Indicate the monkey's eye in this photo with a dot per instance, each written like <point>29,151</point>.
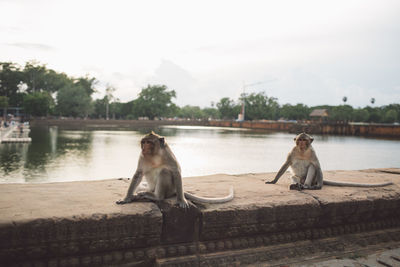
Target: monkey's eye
<point>301,139</point>
<point>146,142</point>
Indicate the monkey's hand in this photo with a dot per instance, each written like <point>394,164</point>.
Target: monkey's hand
<point>182,203</point>
<point>271,182</point>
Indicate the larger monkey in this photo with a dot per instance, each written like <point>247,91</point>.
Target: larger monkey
<point>159,166</point>
<point>306,171</point>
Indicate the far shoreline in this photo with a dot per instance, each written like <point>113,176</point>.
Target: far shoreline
<point>311,127</point>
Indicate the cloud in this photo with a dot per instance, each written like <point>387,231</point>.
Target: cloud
<point>32,46</point>
<point>176,78</point>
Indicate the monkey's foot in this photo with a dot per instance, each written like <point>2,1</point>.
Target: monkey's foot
<point>121,202</point>
<point>296,186</point>
<point>129,199</point>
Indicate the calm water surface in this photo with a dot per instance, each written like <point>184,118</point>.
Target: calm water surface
<point>57,155</point>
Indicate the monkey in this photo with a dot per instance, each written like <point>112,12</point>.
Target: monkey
<point>306,170</point>
<point>162,172</point>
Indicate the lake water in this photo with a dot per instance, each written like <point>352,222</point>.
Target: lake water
<point>57,155</point>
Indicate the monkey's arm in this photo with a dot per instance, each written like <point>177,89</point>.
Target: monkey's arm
<point>179,190</point>
<point>281,171</point>
<point>136,179</point>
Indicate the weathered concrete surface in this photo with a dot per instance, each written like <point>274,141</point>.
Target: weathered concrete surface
<point>390,257</point>
<point>58,221</point>
<point>79,224</point>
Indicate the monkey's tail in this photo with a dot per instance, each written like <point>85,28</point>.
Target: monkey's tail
<point>337,183</point>
<point>212,200</point>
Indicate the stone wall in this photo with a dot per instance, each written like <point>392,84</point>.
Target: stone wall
<point>79,224</point>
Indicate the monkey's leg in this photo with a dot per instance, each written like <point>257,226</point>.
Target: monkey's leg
<point>163,188</point>
<point>297,183</point>
<point>296,186</point>
<point>310,177</point>
<point>165,185</point>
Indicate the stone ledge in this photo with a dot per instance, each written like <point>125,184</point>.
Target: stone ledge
<point>79,224</point>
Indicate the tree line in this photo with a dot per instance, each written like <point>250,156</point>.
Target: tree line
<point>41,91</point>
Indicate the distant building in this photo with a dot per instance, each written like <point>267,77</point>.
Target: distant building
<point>319,114</point>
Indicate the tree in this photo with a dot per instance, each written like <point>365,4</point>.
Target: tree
<point>191,112</point>
<point>35,76</point>
<point>360,115</point>
<point>344,99</point>
<point>127,109</point>
<point>56,81</point>
<point>4,105</point>
<point>375,114</point>
<point>154,101</point>
<point>341,113</point>
<point>99,106</point>
<point>116,110</point>
<point>297,112</point>
<point>390,116</point>
<point>108,98</point>
<point>3,102</point>
<point>86,83</point>
<point>38,103</point>
<point>73,100</point>
<point>260,106</point>
<point>211,113</point>
<point>228,108</point>
<point>10,77</point>
<point>372,101</point>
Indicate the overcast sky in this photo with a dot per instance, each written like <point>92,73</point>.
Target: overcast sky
<point>311,52</point>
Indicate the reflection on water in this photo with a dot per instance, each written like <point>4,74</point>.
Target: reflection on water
<point>63,155</point>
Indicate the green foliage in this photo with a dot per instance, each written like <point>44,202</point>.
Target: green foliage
<point>341,113</point>
<point>116,110</point>
<point>396,110</point>
<point>10,78</point>
<point>127,109</point>
<point>56,81</point>
<point>99,106</point>
<point>297,112</point>
<point>73,100</point>
<point>32,86</point>
<point>375,115</point>
<point>191,112</point>
<point>86,83</point>
<point>38,103</point>
<point>360,115</point>
<point>211,113</point>
<point>260,106</point>
<point>390,116</point>
<point>3,102</point>
<point>154,101</point>
<point>35,77</point>
<point>228,108</point>
<point>38,78</point>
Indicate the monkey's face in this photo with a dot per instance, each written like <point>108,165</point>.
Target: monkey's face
<point>303,141</point>
<point>149,146</point>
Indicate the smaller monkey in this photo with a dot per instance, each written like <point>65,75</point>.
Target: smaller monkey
<point>159,166</point>
<point>306,170</point>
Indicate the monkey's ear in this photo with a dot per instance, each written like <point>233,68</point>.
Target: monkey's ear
<point>311,140</point>
<point>162,141</point>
